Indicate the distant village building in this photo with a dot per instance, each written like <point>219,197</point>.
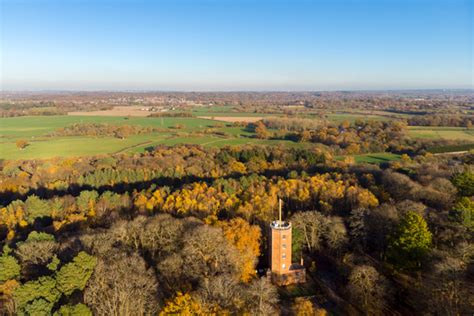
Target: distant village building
<point>282,270</point>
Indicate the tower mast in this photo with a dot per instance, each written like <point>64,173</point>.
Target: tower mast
<point>279,209</point>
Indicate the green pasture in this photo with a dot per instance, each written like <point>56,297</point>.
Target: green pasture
<point>351,117</point>
<point>35,130</point>
<point>372,158</point>
<point>376,158</point>
<point>435,132</point>
<point>226,110</point>
<point>26,127</point>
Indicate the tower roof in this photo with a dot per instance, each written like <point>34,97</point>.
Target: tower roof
<point>280,225</point>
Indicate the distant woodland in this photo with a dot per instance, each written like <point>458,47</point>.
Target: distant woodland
<point>456,102</point>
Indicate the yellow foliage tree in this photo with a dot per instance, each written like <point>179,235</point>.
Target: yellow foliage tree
<point>303,307</point>
<point>182,304</point>
<point>238,167</point>
<point>246,239</point>
<point>11,217</point>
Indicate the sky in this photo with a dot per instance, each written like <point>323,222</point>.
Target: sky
<point>231,45</point>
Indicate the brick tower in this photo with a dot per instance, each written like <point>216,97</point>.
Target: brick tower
<point>282,271</point>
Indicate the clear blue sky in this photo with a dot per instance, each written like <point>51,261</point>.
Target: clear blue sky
<point>236,45</point>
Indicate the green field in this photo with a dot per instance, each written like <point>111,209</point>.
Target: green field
<point>435,132</point>
<point>223,111</point>
<point>36,129</point>
<point>373,158</point>
<point>204,132</point>
<point>36,126</point>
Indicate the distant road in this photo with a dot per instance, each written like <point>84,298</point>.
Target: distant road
<point>452,153</point>
<point>231,119</point>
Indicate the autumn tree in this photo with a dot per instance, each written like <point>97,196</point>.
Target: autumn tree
<point>21,144</point>
<point>86,202</point>
<point>246,239</point>
<point>182,304</point>
<point>305,136</point>
<point>38,248</point>
<point>303,307</point>
<point>261,130</point>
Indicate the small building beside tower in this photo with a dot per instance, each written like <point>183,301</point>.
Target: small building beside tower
<point>282,271</point>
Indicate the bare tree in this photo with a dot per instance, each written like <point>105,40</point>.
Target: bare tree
<point>368,289</point>
<point>224,291</point>
<point>311,224</point>
<point>122,285</point>
<point>336,233</point>
<point>262,298</point>
<point>449,289</point>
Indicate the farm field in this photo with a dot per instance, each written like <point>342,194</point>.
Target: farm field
<point>231,119</point>
<point>435,132</point>
<point>35,130</point>
<point>115,111</point>
<point>372,158</point>
<point>193,130</point>
<point>36,126</point>
<point>224,111</point>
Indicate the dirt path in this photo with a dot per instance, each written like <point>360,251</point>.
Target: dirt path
<point>452,153</point>
<point>133,146</point>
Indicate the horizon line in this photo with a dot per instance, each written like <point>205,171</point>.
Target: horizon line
<point>227,90</point>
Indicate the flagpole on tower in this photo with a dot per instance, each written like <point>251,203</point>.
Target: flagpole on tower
<point>279,209</point>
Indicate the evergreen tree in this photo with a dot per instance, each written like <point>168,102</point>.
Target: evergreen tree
<point>74,275</point>
<point>464,182</point>
<point>73,310</point>
<point>9,267</point>
<point>36,208</point>
<point>411,242</point>
<point>464,212</point>
<point>37,297</point>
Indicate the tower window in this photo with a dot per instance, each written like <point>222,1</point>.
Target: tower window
<point>283,236</point>
<point>283,266</point>
<point>284,246</point>
<point>284,256</point>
